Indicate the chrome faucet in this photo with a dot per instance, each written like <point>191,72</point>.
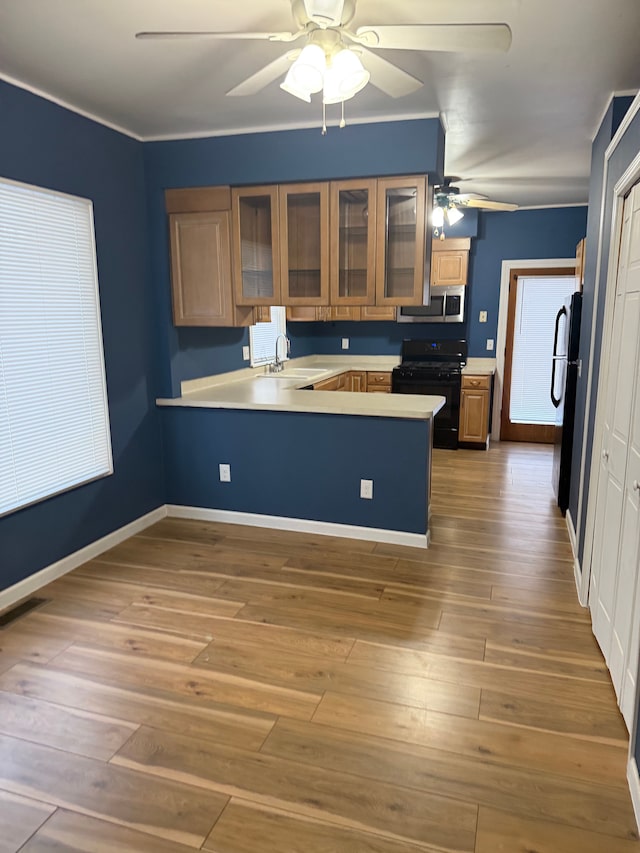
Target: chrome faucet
<point>278,364</point>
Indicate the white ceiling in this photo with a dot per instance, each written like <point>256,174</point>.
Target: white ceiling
<point>519,125</point>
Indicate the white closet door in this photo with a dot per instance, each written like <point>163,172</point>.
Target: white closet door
<point>613,459</point>
<point>624,645</point>
<point>614,588</point>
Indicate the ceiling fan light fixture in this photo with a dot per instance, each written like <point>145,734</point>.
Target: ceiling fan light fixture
<point>289,85</point>
<point>437,217</point>
<point>351,75</point>
<point>307,72</point>
<point>454,215</point>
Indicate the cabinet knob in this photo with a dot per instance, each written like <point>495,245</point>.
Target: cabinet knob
<point>605,455</point>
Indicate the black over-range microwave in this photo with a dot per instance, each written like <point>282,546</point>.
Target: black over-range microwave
<point>446,306</point>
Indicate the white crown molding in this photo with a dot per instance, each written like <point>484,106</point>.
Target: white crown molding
<point>624,126</point>
<point>625,93</point>
<point>276,128</point>
<point>299,525</point>
<point>68,106</point>
<point>26,587</point>
<point>545,206</point>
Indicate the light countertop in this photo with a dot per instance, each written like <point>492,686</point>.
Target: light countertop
<point>480,366</point>
<point>252,388</point>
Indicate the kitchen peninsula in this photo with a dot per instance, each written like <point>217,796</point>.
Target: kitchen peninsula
<point>297,456</point>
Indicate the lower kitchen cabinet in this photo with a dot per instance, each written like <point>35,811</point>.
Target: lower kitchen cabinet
<point>379,381</point>
<point>474,410</point>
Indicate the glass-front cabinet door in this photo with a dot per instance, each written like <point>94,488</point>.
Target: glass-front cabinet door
<point>401,240</point>
<point>304,242</point>
<point>353,242</point>
<point>256,246</point>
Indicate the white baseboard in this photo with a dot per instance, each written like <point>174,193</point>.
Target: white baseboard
<point>300,525</point>
<point>634,787</point>
<point>34,582</point>
<point>577,570</point>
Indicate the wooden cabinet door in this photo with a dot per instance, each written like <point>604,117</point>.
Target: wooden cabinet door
<point>344,312</point>
<point>304,243</point>
<point>378,312</point>
<point>352,242</point>
<point>449,267</point>
<point>401,240</point>
<point>355,380</point>
<point>201,269</point>
<point>256,245</point>
<point>474,416</point>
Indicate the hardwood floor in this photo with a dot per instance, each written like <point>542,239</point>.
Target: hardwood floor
<point>241,690</point>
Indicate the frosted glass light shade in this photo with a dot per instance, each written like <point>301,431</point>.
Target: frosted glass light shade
<point>454,215</point>
<point>289,85</point>
<point>344,77</point>
<point>308,69</point>
<point>437,217</point>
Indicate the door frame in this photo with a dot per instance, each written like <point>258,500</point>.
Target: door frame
<point>503,310</point>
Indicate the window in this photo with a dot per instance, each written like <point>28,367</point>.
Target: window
<point>54,422</point>
<point>537,302</point>
<point>262,338</point>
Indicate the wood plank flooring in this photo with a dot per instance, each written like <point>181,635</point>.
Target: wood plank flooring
<point>245,690</point>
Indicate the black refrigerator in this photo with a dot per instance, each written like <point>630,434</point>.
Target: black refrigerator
<point>564,381</point>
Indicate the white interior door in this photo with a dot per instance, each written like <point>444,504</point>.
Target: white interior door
<point>613,584</point>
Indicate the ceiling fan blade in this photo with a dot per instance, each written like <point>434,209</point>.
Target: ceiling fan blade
<point>256,82</point>
<point>489,205</point>
<point>389,78</point>
<point>221,35</point>
<point>441,37</point>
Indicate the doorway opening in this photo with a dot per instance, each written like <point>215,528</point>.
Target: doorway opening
<point>535,295</point>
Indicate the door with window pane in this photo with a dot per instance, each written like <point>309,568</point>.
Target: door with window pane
<point>535,296</point>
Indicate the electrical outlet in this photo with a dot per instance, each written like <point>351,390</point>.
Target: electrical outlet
<point>225,473</point>
<point>489,343</point>
<point>246,355</point>
<point>366,489</point>
<point>483,317</point>
<point>345,343</point>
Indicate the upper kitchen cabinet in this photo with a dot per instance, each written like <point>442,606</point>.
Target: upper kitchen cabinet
<point>256,245</point>
<point>450,261</point>
<point>304,243</point>
<point>352,241</point>
<point>200,241</point>
<point>401,240</point>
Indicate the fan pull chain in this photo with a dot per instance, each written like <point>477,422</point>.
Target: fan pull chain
<point>324,119</point>
<point>342,121</point>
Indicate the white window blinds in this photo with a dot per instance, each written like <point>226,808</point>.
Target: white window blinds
<point>54,423</point>
<point>262,338</point>
<point>538,300</point>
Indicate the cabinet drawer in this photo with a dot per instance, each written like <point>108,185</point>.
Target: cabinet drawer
<point>377,381</point>
<point>476,382</point>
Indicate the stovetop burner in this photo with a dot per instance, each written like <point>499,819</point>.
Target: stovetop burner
<point>434,356</point>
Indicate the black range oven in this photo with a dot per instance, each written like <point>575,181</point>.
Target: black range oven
<point>434,367</point>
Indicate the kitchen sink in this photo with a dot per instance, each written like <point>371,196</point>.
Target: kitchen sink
<point>294,373</point>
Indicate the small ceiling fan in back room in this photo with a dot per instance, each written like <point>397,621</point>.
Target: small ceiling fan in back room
<point>448,201</point>
<point>338,61</point>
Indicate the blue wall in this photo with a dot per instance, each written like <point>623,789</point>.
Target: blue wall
<point>300,465</point>
<point>43,144</point>
<point>390,148</point>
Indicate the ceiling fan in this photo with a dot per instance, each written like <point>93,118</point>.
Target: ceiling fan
<point>447,201</point>
<point>340,61</point>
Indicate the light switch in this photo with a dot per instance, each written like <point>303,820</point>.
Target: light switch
<point>489,343</point>
<point>483,317</point>
<point>345,343</point>
<point>246,355</point>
